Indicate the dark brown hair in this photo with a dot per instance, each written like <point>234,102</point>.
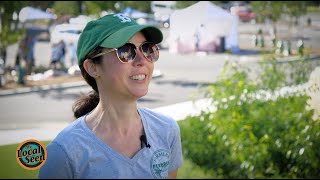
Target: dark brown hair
<point>87,102</point>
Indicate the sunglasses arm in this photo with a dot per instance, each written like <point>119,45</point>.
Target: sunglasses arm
<point>106,52</point>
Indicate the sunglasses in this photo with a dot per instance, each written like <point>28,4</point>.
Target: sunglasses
<point>127,52</point>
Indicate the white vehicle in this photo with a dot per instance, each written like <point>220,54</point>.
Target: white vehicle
<point>162,9</point>
<point>69,33</point>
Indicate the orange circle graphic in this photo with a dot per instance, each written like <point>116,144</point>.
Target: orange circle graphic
<point>31,154</point>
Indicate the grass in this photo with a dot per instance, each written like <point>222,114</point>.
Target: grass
<point>10,169</point>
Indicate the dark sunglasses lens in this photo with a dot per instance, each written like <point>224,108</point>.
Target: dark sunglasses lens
<point>126,52</point>
<point>150,51</point>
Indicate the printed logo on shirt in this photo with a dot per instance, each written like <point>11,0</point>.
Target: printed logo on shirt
<point>31,154</point>
<point>160,164</point>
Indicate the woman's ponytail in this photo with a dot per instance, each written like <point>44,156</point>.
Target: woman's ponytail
<point>85,104</point>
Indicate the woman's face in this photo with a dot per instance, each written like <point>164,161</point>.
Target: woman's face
<point>125,80</point>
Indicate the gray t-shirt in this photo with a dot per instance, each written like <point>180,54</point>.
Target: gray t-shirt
<point>77,152</point>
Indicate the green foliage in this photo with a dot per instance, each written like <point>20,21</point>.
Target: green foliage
<point>295,8</point>
<point>272,76</point>
<point>40,4</point>
<point>9,31</point>
<point>95,7</point>
<point>275,9</point>
<point>143,6</point>
<point>184,4</point>
<point>66,8</point>
<point>254,137</point>
<point>9,35</point>
<point>277,74</point>
<point>267,9</point>
<point>262,139</point>
<point>189,170</point>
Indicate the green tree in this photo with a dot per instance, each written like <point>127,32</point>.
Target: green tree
<point>41,4</point>
<point>275,10</point>
<point>267,9</point>
<point>96,7</point>
<point>295,9</point>
<point>66,8</point>
<point>143,6</point>
<point>9,33</point>
<point>184,4</point>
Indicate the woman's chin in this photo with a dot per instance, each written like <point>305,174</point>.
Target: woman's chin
<point>138,93</point>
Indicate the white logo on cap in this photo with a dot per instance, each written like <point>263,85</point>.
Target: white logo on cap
<point>122,17</point>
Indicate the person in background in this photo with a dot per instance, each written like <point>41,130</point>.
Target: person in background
<point>20,61</point>
<point>73,55</point>
<point>29,54</point>
<point>113,137</point>
<point>57,55</point>
<point>200,32</point>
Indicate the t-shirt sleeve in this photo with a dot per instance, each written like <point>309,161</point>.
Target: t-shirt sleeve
<point>57,164</point>
<point>176,150</point>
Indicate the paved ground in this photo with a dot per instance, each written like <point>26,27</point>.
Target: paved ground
<point>181,79</point>
<point>50,130</point>
<point>176,110</point>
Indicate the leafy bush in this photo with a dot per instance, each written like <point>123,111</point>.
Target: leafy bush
<point>251,136</point>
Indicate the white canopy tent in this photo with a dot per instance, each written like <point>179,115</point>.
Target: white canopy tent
<point>133,13</point>
<point>202,24</point>
<point>30,14</point>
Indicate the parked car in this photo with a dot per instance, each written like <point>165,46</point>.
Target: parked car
<point>243,12</point>
<point>162,11</point>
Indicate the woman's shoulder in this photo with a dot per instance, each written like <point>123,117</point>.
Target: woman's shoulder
<point>70,133</point>
<point>157,117</point>
<point>155,113</point>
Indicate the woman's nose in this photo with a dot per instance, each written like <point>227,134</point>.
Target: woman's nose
<point>140,59</point>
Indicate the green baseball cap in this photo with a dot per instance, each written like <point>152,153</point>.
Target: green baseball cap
<point>112,31</point>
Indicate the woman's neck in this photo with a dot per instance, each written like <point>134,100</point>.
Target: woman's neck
<point>118,125</point>
<point>114,116</point>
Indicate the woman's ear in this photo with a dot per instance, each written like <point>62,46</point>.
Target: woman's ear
<point>91,68</point>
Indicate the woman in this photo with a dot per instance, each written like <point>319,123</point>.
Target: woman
<point>112,137</point>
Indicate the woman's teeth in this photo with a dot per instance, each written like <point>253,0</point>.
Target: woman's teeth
<point>138,77</point>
